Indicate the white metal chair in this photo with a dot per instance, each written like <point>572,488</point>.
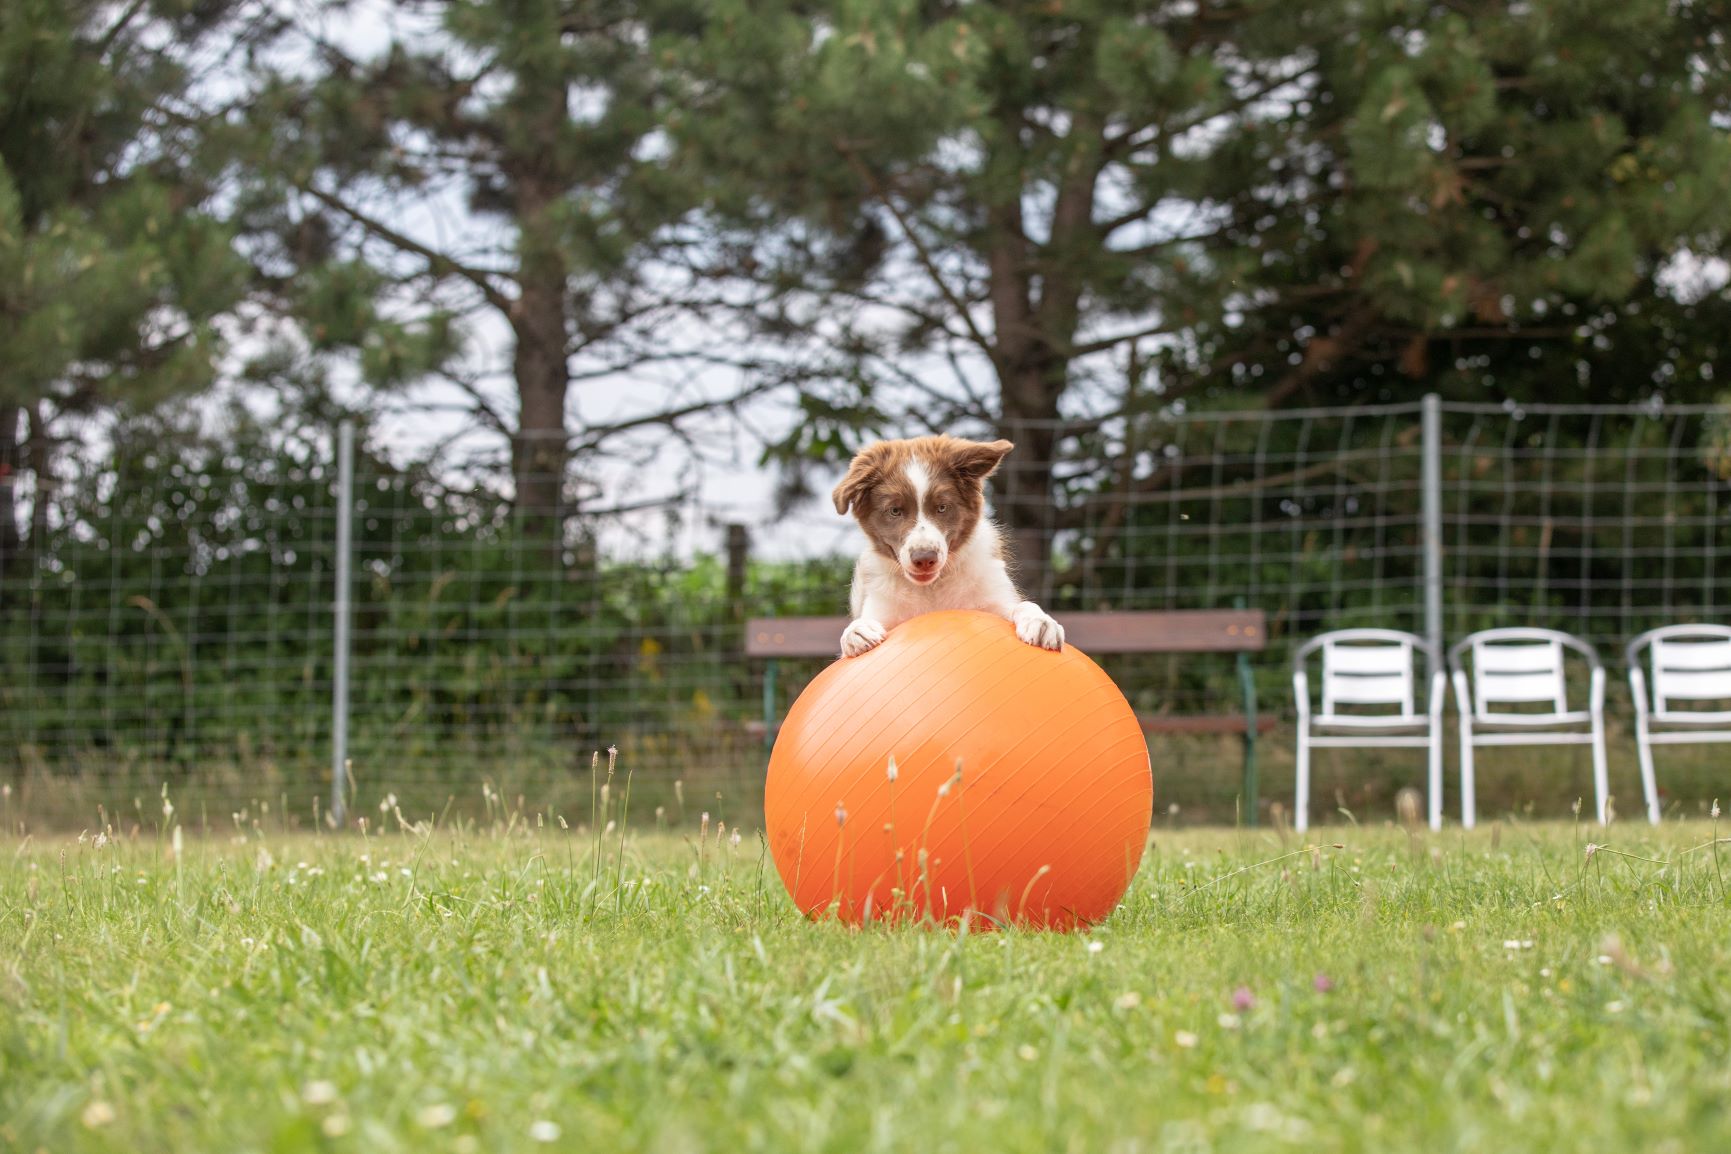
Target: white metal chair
<point>1524,667</point>
<point>1368,667</point>
<point>1690,663</point>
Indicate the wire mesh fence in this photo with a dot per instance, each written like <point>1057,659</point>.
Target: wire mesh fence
<point>171,621</point>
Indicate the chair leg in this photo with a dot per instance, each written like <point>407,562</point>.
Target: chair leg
<point>1601,783</point>
<point>1301,797</point>
<point>1649,785</point>
<point>1469,808</point>
<point>1434,752</point>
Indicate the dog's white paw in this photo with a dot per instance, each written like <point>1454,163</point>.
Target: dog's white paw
<point>860,636</point>
<point>1035,627</point>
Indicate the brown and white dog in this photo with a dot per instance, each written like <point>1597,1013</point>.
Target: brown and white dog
<point>921,503</point>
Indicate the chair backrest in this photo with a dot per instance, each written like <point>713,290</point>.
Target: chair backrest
<point>1366,667</point>
<point>1690,663</point>
<point>1518,672</point>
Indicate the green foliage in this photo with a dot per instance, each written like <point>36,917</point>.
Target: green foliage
<point>111,273</point>
<point>182,620</point>
<point>1304,199</point>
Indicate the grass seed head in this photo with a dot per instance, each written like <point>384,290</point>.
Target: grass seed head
<point>1408,807</point>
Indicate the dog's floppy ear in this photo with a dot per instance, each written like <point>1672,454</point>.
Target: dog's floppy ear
<point>861,476</point>
<point>977,460</point>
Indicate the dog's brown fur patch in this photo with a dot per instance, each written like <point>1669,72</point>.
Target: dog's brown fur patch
<point>883,500</point>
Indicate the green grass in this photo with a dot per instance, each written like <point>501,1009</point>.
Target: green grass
<point>478,989</point>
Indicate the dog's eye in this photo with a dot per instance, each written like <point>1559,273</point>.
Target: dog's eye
<point>896,511</point>
<point>943,508</point>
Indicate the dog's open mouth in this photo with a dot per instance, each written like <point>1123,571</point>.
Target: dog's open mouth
<point>920,576</point>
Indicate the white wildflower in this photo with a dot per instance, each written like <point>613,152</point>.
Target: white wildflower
<point>437,1115</point>
<point>320,1093</point>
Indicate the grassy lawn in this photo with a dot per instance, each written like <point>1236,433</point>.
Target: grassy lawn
<point>484,989</point>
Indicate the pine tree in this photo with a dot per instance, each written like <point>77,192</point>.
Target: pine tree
<point>111,274</point>
<point>532,124</point>
<point>1091,207</point>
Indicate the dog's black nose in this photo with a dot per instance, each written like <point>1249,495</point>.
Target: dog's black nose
<point>924,558</point>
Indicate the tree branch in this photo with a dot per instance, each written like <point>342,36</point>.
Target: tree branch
<point>596,434</point>
<point>1132,139</point>
<point>437,262</point>
<point>924,254</point>
<point>482,405</point>
<point>119,26</point>
<point>1100,345</point>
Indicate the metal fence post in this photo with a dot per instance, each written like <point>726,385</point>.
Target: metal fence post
<point>1431,480</point>
<point>340,611</point>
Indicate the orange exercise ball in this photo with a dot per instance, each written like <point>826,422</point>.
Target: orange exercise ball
<point>1021,789</point>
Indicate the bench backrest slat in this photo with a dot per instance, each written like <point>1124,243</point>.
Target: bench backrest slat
<point>1184,631</point>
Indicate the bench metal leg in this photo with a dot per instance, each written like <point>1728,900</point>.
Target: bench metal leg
<point>1248,681</point>
<point>769,705</point>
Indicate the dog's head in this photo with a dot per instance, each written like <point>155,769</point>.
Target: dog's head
<point>919,500</point>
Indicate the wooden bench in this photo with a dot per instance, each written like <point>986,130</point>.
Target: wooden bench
<point>1238,631</point>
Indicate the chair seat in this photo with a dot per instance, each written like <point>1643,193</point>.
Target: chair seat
<point>1383,722</point>
<point>1689,737</point>
<point>1531,720</point>
<point>1689,717</point>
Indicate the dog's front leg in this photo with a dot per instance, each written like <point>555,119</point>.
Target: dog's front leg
<point>864,634</point>
<point>1033,625</point>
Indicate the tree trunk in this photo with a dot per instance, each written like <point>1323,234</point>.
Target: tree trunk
<point>1031,378</point>
<point>40,450</point>
<point>1035,322</point>
<point>540,452</point>
<point>11,461</point>
<point>1023,487</point>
